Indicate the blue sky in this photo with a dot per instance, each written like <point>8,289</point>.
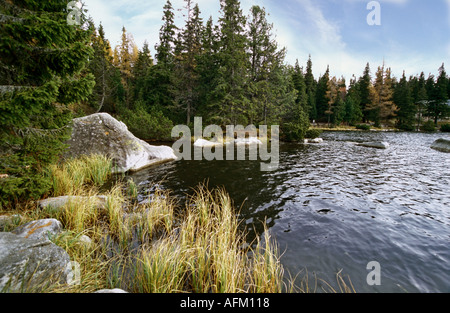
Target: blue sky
<point>414,35</point>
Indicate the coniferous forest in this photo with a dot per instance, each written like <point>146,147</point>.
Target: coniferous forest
<point>229,72</point>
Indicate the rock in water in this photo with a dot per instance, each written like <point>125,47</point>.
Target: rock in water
<point>102,134</point>
<point>375,144</point>
<point>206,143</point>
<point>442,145</point>
<point>31,264</point>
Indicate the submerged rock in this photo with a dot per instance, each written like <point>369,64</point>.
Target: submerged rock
<point>102,134</point>
<point>315,140</point>
<point>31,264</point>
<point>442,145</point>
<point>206,143</point>
<point>375,144</point>
<point>248,141</point>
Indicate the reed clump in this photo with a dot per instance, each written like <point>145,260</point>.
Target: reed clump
<point>157,246</point>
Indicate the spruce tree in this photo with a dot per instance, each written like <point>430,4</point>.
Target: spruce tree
<point>141,69</point>
<point>353,113</point>
<point>230,103</point>
<point>161,77</point>
<point>190,50</point>
<point>207,69</point>
<point>267,90</point>
<point>311,90</point>
<point>42,72</point>
<point>438,107</point>
<point>405,103</point>
<point>366,96</point>
<point>102,68</point>
<point>322,101</point>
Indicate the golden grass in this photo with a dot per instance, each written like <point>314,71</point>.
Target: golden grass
<point>159,247</point>
<point>71,176</point>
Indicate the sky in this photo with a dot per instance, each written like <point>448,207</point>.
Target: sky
<point>413,35</point>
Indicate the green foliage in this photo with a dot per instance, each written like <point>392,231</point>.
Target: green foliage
<point>445,128</point>
<point>313,133</point>
<point>363,127</point>
<point>429,126</point>
<point>42,73</point>
<point>147,125</point>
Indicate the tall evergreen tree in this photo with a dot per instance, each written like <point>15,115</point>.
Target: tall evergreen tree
<point>161,77</point>
<point>322,101</point>
<point>438,107</point>
<point>190,44</point>
<point>42,72</point>
<point>229,102</point>
<point>419,95</point>
<point>353,113</point>
<point>311,90</point>
<point>405,103</point>
<point>101,66</point>
<point>366,96</point>
<point>266,91</point>
<point>383,108</point>
<point>207,67</point>
<point>300,85</point>
<point>141,70</point>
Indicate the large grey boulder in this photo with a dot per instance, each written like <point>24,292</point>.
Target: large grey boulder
<point>102,134</point>
<point>29,265</point>
<point>40,229</point>
<point>442,145</point>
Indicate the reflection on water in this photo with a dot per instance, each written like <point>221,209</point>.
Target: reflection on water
<point>337,205</point>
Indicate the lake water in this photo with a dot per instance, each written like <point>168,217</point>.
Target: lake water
<point>338,206</point>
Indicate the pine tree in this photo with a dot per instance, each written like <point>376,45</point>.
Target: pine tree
<point>141,69</point>
<point>190,50</point>
<point>420,97</point>
<point>125,58</point>
<point>230,103</point>
<point>266,90</point>
<point>161,77</point>
<point>102,68</point>
<point>300,85</point>
<point>311,90</point>
<point>383,109</point>
<point>294,121</point>
<point>207,69</point>
<point>365,93</point>
<point>332,95</point>
<point>322,101</point>
<point>353,113</point>
<point>42,72</point>
<point>405,103</point>
<point>437,106</point>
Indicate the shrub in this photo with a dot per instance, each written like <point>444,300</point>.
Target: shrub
<point>363,127</point>
<point>146,125</point>
<point>429,127</point>
<point>313,133</point>
<point>445,128</point>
